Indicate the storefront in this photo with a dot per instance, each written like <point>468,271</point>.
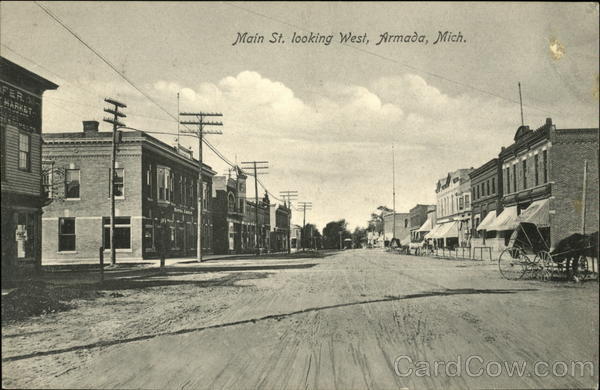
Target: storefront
<point>22,197</point>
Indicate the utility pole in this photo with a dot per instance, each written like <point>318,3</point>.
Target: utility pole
<point>253,166</point>
<point>200,122</point>
<point>583,197</point>
<point>521,104</point>
<point>116,124</point>
<point>289,195</point>
<point>393,195</point>
<point>304,206</point>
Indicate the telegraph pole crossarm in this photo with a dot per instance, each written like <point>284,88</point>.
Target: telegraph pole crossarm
<point>200,132</point>
<point>116,124</point>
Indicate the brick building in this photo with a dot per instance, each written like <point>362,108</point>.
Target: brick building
<point>543,181</point>
<point>156,191</point>
<point>486,195</point>
<point>453,210</point>
<point>229,204</point>
<point>21,169</point>
<point>280,227</point>
<point>249,227</point>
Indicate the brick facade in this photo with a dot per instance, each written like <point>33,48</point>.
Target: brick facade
<point>144,221</point>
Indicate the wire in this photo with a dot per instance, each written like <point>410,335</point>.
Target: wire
<point>131,83</point>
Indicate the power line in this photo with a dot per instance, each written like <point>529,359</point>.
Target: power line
<point>130,82</point>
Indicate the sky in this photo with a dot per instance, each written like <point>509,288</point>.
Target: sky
<point>324,116</point>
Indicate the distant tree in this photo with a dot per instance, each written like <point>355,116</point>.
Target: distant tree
<point>359,237</point>
<point>332,232</point>
<point>376,221</point>
<point>311,237</point>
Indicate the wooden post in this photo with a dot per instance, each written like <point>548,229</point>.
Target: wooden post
<point>101,256</point>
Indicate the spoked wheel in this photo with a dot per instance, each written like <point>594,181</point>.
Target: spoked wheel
<point>513,263</point>
<point>543,265</point>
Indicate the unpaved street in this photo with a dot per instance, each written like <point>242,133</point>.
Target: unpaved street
<point>358,319</point>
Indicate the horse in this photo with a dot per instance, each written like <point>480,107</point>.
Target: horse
<point>571,248</point>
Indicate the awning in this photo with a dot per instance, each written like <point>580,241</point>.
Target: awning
<point>427,226</point>
<point>433,232</point>
<point>538,213</point>
<point>489,220</point>
<point>449,229</point>
<point>507,220</point>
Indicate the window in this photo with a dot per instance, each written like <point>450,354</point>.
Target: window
<point>204,195</point>
<point>72,183</point>
<point>536,162</point>
<point>493,185</point>
<point>514,177</point>
<point>24,152</point>
<point>149,187</point>
<point>467,201</point>
<point>487,183</point>
<point>461,203</point>
<point>482,189</point>
<point>507,180</point>
<point>406,223</point>
<point>231,203</point>
<point>148,235</point>
<point>524,174</point>
<point>25,234</point>
<point>66,234</point>
<point>545,165</point>
<point>165,183</point>
<point>478,192</point>
<point>119,182</point>
<point>122,232</point>
<point>3,151</point>
<point>47,179</point>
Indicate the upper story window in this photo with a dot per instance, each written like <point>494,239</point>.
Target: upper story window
<point>467,201</point>
<point>524,166</point>
<point>493,185</point>
<point>205,195</point>
<point>507,180</point>
<point>164,183</point>
<point>24,152</point>
<point>545,165</point>
<point>72,184</point>
<point>514,177</point>
<point>461,204</point>
<point>231,203</point>
<point>487,184</point>
<point>119,182</point>
<point>148,183</point>
<point>536,170</point>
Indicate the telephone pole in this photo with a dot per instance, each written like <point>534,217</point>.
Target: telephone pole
<point>252,165</point>
<point>289,195</point>
<point>116,124</point>
<point>393,195</point>
<point>200,122</point>
<point>304,206</point>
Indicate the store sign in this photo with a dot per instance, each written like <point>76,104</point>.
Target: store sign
<point>20,109</point>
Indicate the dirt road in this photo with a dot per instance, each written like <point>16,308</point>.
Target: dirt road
<point>359,319</point>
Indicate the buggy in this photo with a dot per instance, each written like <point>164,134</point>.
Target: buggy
<point>529,252</point>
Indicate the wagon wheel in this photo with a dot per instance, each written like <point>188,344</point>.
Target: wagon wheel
<point>582,271</point>
<point>543,264</point>
<point>512,263</point>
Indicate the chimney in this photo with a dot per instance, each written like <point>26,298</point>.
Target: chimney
<point>90,127</point>
<point>548,121</point>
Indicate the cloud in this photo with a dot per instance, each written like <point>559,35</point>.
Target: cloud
<point>333,145</point>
